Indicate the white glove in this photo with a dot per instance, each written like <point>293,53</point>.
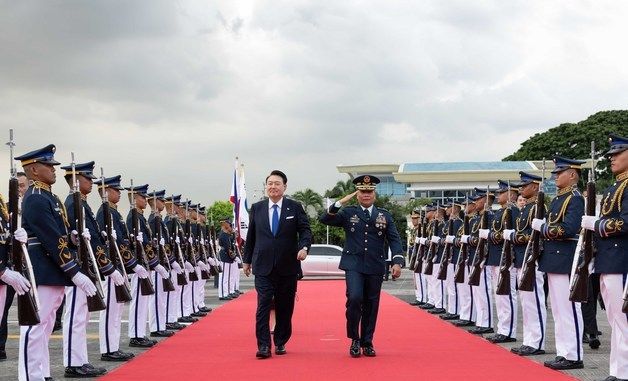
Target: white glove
<point>86,234</point>
<point>422,241</point>
<point>465,238</point>
<point>417,240</point>
<point>588,222</point>
<point>176,267</point>
<point>114,234</point>
<point>117,278</point>
<point>162,242</point>
<point>211,261</point>
<point>190,241</point>
<point>20,235</point>
<point>14,279</point>
<point>201,265</point>
<point>188,267</point>
<point>162,271</point>
<point>140,271</point>
<point>140,237</point>
<point>203,241</point>
<point>450,239</point>
<point>177,240</point>
<point>537,224</point>
<point>509,234</point>
<point>74,237</point>
<point>435,239</point>
<point>238,260</point>
<point>483,233</point>
<point>84,283</point>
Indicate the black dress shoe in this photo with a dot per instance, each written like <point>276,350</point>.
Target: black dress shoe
<point>81,372</point>
<point>463,323</point>
<point>49,379</point>
<point>427,306</point>
<point>594,342</point>
<point>368,351</point>
<point>563,364</point>
<point>225,298</point>
<point>198,314</point>
<point>354,349</point>
<point>205,309</point>
<point>415,303</point>
<point>526,350</point>
<point>481,330</point>
<point>234,295</point>
<point>449,316</point>
<point>164,333</point>
<point>263,352</point>
<point>174,326</point>
<point>280,350</point>
<point>3,355</point>
<point>98,369</point>
<point>499,338</point>
<point>187,319</point>
<point>436,311</point>
<point>141,342</point>
<point>116,356</point>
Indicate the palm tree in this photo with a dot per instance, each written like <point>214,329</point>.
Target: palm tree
<point>312,202</point>
<point>342,188</point>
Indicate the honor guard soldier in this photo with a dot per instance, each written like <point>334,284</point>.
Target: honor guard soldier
<point>109,325</point>
<point>436,287</point>
<point>367,228</point>
<point>533,308</point>
<point>226,240</point>
<point>173,298</point>
<point>200,265</point>
<point>199,234</point>
<point>157,304</point>
<point>420,283</point>
<point>611,261</point>
<point>559,231</point>
<point>453,301</point>
<point>76,314</point>
<point>185,297</point>
<point>138,308</point>
<point>54,265</point>
<point>465,291</point>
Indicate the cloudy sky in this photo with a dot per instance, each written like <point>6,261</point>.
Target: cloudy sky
<point>169,92</point>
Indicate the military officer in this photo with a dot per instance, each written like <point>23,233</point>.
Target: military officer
<point>430,221</point>
<point>465,291</point>
<point>611,262</point>
<point>200,265</point>
<point>76,313</point>
<point>173,299</point>
<point>560,235</point>
<point>533,308</point>
<point>109,325</point>
<point>366,228</point>
<point>226,240</point>
<point>436,286</point>
<point>200,238</point>
<point>54,264</point>
<point>186,290</point>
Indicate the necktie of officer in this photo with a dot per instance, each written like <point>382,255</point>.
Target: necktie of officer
<point>367,214</point>
<point>275,224</point>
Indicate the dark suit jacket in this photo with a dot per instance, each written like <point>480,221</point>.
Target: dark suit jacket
<point>266,252</point>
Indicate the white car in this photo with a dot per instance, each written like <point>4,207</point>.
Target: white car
<point>322,260</point>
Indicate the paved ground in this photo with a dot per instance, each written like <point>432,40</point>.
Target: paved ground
<point>596,361</point>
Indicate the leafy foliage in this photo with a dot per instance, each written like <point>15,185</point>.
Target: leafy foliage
<point>218,211</point>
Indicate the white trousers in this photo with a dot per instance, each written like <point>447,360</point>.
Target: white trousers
<point>138,310</point>
<point>534,314</point>
<point>109,325</point>
<point>482,299</point>
<point>199,292</point>
<point>506,305</point>
<point>226,279</point>
<point>420,287</point>
<point>34,357</point>
<point>568,323</point>
<point>436,288</point>
<point>173,301</point>
<point>465,298</point>
<point>75,319</point>
<point>453,300</point>
<point>185,299</point>
<point>612,288</point>
<point>157,304</point>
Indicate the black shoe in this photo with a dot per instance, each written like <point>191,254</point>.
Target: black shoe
<point>225,298</point>
<point>49,379</point>
<point>205,309</point>
<point>449,316</point>
<point>198,314</point>
<point>280,350</point>
<point>437,311</point>
<point>354,349</point>
<point>368,351</point>
<point>526,350</point>
<point>3,355</point>
<point>499,338</point>
<point>141,342</point>
<point>164,333</point>
<point>239,292</point>
<point>564,364</point>
<point>174,326</point>
<point>594,342</point>
<point>187,319</point>
<point>58,325</point>
<point>558,358</point>
<point>427,306</point>
<point>234,295</point>
<point>263,352</point>
<point>463,323</point>
<point>83,371</point>
<point>116,356</point>
<point>481,330</point>
<point>415,303</point>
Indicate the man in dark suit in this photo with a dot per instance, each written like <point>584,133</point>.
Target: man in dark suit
<point>279,236</point>
<point>367,230</point>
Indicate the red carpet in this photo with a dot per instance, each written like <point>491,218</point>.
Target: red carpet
<point>410,344</point>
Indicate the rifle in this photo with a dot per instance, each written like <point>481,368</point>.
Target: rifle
<point>201,248</point>
<point>212,242</point>
<point>464,249</point>
<point>506,260</point>
<point>87,261</point>
<point>27,304</point>
<point>214,269</point>
<point>412,251</point>
<point>123,292</point>
<point>448,250</point>
<point>163,258</point>
<point>182,279</point>
<point>533,250</point>
<point>578,290</point>
<point>418,268</point>
<point>146,285</point>
<point>189,248</point>
<point>428,265</point>
<point>482,250</point>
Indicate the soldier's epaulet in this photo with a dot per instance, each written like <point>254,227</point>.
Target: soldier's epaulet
<point>576,192</point>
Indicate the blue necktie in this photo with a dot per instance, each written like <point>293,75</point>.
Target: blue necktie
<point>275,224</point>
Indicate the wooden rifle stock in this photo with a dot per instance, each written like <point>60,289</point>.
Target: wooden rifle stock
<point>533,250</point>
<point>201,249</point>
<point>428,265</point>
<point>189,250</point>
<point>418,268</point>
<point>463,255</point>
<point>163,258</point>
<point>578,292</point>
<point>447,252</point>
<point>505,262</point>
<point>481,252</point>
<point>123,292</point>
<point>146,285</point>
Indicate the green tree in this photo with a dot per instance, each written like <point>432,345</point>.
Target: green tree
<point>312,202</point>
<point>342,188</point>
<point>416,203</point>
<point>573,140</point>
<point>218,211</point>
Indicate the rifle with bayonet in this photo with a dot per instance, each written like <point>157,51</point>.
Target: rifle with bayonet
<point>506,260</point>
<point>146,285</point>
<point>448,252</point>
<point>161,251</point>
<point>201,246</point>
<point>212,242</point>
<point>87,261</point>
<point>19,259</point>
<point>189,240</point>
<point>463,255</point>
<point>481,252</point>
<point>578,290</point>
<point>123,292</point>
<point>428,263</point>
<point>533,249</point>
<point>420,249</point>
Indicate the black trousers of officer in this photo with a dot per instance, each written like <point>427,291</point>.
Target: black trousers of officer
<point>589,309</point>
<point>4,322</point>
<point>283,289</point>
<point>363,292</point>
